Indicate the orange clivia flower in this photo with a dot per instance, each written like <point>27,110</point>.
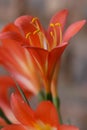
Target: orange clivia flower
<point>39,119</point>
<point>44,47</point>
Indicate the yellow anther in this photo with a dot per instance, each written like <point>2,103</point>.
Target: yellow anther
<point>33,20</point>
<point>57,24</point>
<point>28,34</point>
<point>52,25</point>
<point>36,31</point>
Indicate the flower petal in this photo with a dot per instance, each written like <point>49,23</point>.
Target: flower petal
<point>40,56</point>
<point>12,33</point>
<point>54,57</point>
<point>46,112</point>
<point>7,86</point>
<point>27,23</point>
<point>72,30</point>
<point>22,111</point>
<point>9,37</point>
<point>23,23</point>
<point>8,113</point>
<point>60,17</point>
<point>19,63</point>
<point>11,27</point>
<point>14,127</point>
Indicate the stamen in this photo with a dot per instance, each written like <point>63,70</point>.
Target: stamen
<point>53,34</point>
<point>34,19</point>
<point>60,30</point>
<point>41,38</point>
<point>27,35</point>
<point>36,31</point>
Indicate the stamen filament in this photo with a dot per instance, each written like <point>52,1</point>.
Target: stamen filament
<point>59,25</point>
<point>36,31</point>
<point>53,34</point>
<point>35,23</point>
<point>27,35</point>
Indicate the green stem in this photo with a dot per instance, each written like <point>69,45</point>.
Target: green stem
<point>49,97</point>
<point>56,102</point>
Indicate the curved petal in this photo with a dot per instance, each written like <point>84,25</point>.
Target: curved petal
<point>26,23</point>
<point>23,22</point>
<point>14,127</point>
<point>6,83</point>
<point>40,56</point>
<point>19,63</point>
<point>72,30</point>
<point>60,17</point>
<point>7,86</point>
<point>11,27</point>
<point>22,111</point>
<point>46,112</point>
<point>9,37</point>
<point>54,57</point>
<point>67,127</point>
<point>8,113</point>
<point>54,80</point>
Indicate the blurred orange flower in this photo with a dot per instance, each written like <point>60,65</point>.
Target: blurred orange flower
<point>40,119</point>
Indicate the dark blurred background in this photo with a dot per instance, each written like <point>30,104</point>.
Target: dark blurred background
<point>72,86</point>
